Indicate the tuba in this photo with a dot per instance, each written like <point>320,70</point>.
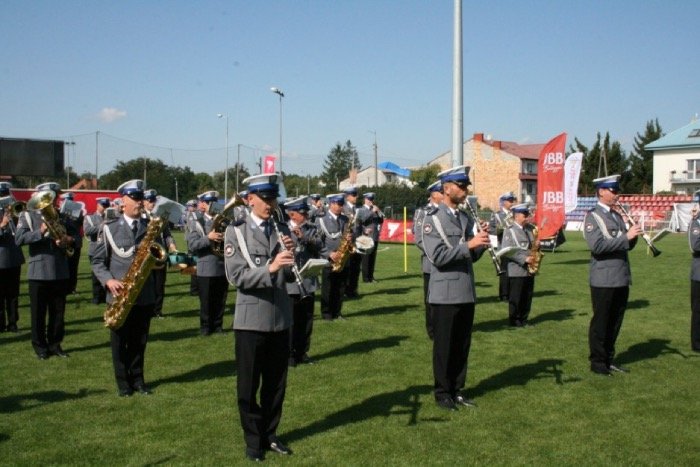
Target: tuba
<point>222,220</point>
<point>149,255</point>
<point>537,255</point>
<point>346,248</point>
<point>43,201</point>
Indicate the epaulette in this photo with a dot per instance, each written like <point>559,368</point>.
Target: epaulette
<point>239,222</point>
<point>431,210</point>
<point>111,220</point>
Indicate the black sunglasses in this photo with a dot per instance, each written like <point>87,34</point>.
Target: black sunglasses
<point>136,196</point>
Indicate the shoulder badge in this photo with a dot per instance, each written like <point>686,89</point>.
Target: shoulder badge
<point>696,231</point>
<point>427,227</point>
<point>229,250</point>
<point>589,227</point>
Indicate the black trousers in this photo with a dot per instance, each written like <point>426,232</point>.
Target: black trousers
<point>503,283</point>
<point>213,292</point>
<point>73,263</point>
<point>261,363</point>
<point>300,334</point>
<point>452,338</point>
<point>609,306</point>
<point>368,262</point>
<point>428,309</point>
<point>9,297</point>
<point>520,299</point>
<point>194,285</point>
<point>159,278</point>
<point>99,294</point>
<point>695,315</point>
<point>332,291</point>
<point>353,267</point>
<point>47,298</point>
<point>129,347</point>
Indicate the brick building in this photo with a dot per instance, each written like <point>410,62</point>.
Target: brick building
<point>497,167</point>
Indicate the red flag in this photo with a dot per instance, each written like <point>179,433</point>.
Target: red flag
<point>550,215</point>
<point>269,164</point>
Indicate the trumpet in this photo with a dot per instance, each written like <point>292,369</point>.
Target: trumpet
<point>630,222</point>
<point>278,216</point>
<point>469,209</point>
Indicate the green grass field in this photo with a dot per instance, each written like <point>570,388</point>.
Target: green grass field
<point>368,399</point>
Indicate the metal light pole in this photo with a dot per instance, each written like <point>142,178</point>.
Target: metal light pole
<point>279,92</point>
<point>66,162</point>
<point>376,176</point>
<point>457,103</point>
<point>226,172</point>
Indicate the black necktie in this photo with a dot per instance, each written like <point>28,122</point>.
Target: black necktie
<point>266,228</point>
<point>134,227</point>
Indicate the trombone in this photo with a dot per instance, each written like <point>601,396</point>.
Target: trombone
<point>630,222</point>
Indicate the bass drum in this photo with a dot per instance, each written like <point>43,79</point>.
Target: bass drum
<point>364,244</point>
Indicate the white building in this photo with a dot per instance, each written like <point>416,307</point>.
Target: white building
<point>677,160</point>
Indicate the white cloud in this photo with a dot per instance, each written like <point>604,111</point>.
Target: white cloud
<point>110,114</point>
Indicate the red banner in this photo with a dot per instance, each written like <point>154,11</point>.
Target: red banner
<point>392,231</point>
<point>550,215</point>
<point>269,164</point>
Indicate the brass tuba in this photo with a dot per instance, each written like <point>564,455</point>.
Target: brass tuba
<point>149,255</point>
<point>535,251</point>
<point>43,201</point>
<point>222,220</point>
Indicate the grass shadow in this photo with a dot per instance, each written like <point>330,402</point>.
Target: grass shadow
<point>221,369</point>
<point>648,350</point>
<point>16,403</point>
<point>361,347</point>
<point>384,310</point>
<point>520,375</point>
<point>393,291</point>
<point>573,261</point>
<point>557,315</point>
<point>403,402</point>
<point>170,336</point>
<point>637,304</point>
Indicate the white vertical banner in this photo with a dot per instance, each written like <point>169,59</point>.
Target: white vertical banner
<point>572,170</point>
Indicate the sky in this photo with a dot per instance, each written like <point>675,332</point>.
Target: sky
<point>129,79</point>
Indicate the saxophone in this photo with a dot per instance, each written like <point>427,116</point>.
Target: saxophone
<point>43,201</point>
<point>537,255</point>
<point>149,255</point>
<point>222,220</point>
<point>346,247</point>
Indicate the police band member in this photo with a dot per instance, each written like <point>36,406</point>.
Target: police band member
<point>451,246</point>
<point>166,240</point>
<point>241,212</point>
<point>435,190</point>
<point>191,213</point>
<point>694,242</point>
<point>354,262</point>
<point>11,261</point>
<point>48,276</point>
<point>609,240</point>
<point>211,278</point>
<point>76,224</point>
<point>259,267</point>
<point>500,220</point>
<point>333,284</point>
<point>92,224</point>
<point>117,245</point>
<point>520,282</point>
<point>316,207</point>
<point>370,219</point>
<point>309,245</point>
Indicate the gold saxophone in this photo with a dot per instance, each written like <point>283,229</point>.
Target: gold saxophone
<point>149,255</point>
<point>346,247</point>
<point>537,255</point>
<point>43,201</point>
<point>222,220</point>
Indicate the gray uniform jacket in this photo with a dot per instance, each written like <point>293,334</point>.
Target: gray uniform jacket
<point>47,262</point>
<point>497,224</point>
<point>606,234</point>
<point>111,259</point>
<point>262,302</point>
<point>331,232</point>
<point>316,213</point>
<point>11,255</point>
<point>91,228</point>
<point>519,237</point>
<point>208,264</point>
<point>165,239</point>
<point>350,211</point>
<point>694,243</point>
<point>370,223</point>
<point>308,246</point>
<point>445,244</point>
<point>418,217</point>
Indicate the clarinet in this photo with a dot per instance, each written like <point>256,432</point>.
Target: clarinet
<point>630,222</point>
<point>295,269</point>
<point>492,251</point>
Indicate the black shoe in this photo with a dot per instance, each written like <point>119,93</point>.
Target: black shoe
<point>292,362</point>
<point>204,332</point>
<point>601,371</point>
<point>618,369</point>
<point>42,356</point>
<point>125,392</point>
<point>143,389</point>
<point>12,328</point>
<point>158,315</point>
<point>58,351</point>
<point>277,446</point>
<point>254,456</point>
<point>447,404</point>
<point>306,360</point>
<point>461,400</point>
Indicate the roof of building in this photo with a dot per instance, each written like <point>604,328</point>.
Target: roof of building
<point>393,168</point>
<point>685,137</point>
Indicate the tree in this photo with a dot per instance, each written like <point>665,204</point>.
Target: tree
<point>425,177</point>
<point>604,158</point>
<point>219,179</point>
<point>642,161</point>
<point>339,162</point>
